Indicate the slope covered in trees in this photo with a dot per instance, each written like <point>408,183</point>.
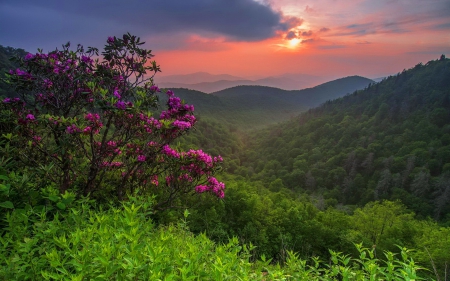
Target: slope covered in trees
<point>389,141</point>
<point>6,64</point>
<point>256,106</point>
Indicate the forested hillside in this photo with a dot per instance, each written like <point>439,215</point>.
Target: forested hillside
<point>389,141</point>
<point>6,64</point>
<point>249,107</point>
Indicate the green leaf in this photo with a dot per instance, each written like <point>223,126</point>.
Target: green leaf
<point>53,198</point>
<point>61,205</point>
<point>7,205</point>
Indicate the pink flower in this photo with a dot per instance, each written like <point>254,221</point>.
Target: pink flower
<point>141,158</point>
<point>72,129</point>
<point>29,56</point>
<point>167,150</point>
<point>87,130</point>
<point>121,105</point>
<point>30,117</point>
<point>154,89</point>
<point>181,124</point>
<point>85,59</point>
<point>116,94</point>
<point>201,188</point>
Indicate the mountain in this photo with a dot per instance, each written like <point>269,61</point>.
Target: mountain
<point>195,78</point>
<point>389,141</point>
<point>310,97</point>
<point>248,107</point>
<point>209,83</point>
<point>207,87</point>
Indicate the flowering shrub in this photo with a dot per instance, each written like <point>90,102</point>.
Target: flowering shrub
<point>85,124</point>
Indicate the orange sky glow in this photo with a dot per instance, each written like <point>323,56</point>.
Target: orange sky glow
<point>246,38</point>
<point>335,39</point>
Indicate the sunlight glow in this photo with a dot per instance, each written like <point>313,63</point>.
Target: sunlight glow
<point>293,43</point>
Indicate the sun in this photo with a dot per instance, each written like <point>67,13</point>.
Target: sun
<point>293,43</point>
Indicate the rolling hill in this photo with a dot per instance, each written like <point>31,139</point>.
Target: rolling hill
<point>210,83</point>
<point>249,107</point>
<point>389,141</point>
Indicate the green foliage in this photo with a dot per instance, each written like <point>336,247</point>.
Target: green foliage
<point>388,141</point>
<point>6,53</point>
<point>121,243</point>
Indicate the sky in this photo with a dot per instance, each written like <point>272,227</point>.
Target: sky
<point>246,38</point>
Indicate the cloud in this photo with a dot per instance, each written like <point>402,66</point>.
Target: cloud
<point>309,10</point>
<point>324,29</point>
<point>290,35</point>
<point>306,41</point>
<point>308,33</point>
<point>291,22</point>
<point>236,20</point>
<point>359,29</point>
<point>329,47</point>
<point>442,26</point>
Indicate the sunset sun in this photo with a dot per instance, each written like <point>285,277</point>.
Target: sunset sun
<point>293,43</point>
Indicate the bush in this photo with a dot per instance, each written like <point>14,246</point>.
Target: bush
<point>85,124</point>
<point>121,243</point>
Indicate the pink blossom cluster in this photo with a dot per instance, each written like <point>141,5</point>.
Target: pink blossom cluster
<point>154,89</point>
<point>182,125</point>
<point>94,118</point>
<point>129,137</point>
<point>21,73</point>
<point>111,148</point>
<point>72,129</point>
<point>11,100</point>
<point>202,163</point>
<point>177,110</point>
<point>214,186</point>
<point>167,150</point>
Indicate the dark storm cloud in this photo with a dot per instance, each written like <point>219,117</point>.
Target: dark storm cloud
<point>38,21</point>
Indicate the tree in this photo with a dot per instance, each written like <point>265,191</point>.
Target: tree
<point>377,221</point>
<point>85,124</point>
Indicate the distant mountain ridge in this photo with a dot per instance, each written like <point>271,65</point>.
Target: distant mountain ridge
<point>209,83</point>
<point>308,97</point>
<point>197,77</point>
<point>256,106</point>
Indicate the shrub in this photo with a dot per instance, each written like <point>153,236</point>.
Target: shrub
<point>85,124</point>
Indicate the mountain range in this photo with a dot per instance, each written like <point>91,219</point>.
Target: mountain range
<point>209,83</point>
<point>255,106</point>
